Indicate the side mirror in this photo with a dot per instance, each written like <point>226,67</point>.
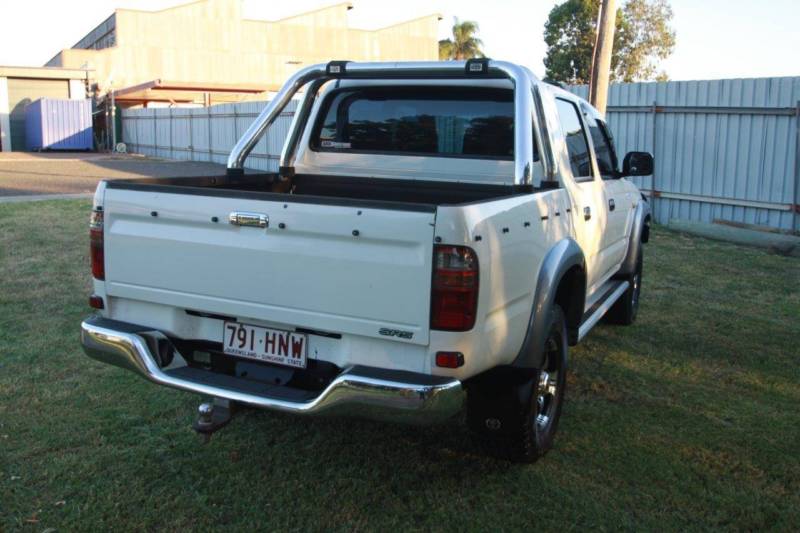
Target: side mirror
<point>637,164</point>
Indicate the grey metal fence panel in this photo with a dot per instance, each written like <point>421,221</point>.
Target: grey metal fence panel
<point>724,149</point>
<point>204,133</point>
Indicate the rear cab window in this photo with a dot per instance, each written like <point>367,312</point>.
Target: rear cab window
<point>466,122</point>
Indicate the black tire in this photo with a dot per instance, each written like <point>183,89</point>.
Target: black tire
<point>624,310</point>
<point>518,422</point>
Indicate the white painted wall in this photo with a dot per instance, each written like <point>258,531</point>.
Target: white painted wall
<point>77,90</point>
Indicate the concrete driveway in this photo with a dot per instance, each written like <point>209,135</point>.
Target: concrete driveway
<point>28,176</point>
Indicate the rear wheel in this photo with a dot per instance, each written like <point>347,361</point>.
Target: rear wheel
<point>518,422</point>
<point>625,309</point>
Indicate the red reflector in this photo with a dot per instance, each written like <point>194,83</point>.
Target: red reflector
<point>449,359</point>
<point>96,245</point>
<point>454,292</point>
<point>96,302</point>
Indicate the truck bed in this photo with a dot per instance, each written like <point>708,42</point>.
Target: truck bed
<point>326,189</point>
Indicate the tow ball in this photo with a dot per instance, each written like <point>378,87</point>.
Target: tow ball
<point>212,416</point>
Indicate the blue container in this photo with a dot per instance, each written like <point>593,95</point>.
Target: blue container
<point>52,124</point>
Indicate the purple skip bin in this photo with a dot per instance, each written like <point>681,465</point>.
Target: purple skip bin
<point>53,124</point>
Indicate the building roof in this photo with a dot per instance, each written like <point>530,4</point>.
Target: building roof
<point>53,73</point>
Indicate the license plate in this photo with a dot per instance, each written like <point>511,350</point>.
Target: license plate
<point>264,344</point>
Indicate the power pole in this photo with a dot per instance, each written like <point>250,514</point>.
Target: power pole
<point>601,59</point>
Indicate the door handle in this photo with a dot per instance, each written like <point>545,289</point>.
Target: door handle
<point>243,218</point>
<point>587,213</point>
<point>611,204</point>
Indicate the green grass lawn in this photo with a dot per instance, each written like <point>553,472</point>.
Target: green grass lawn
<point>690,419</point>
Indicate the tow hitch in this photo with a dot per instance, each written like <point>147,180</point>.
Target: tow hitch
<point>212,417</point>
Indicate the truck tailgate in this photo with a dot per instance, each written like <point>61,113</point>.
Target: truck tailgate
<point>324,266</point>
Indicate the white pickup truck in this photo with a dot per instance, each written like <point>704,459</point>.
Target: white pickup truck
<point>436,237</point>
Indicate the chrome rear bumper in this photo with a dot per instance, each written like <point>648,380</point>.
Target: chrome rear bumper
<point>358,391</point>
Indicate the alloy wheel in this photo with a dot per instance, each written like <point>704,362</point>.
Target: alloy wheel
<point>547,386</point>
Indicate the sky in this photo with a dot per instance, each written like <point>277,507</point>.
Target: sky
<point>715,38</point>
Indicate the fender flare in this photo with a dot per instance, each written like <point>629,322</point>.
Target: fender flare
<point>565,255</point>
<point>640,233</point>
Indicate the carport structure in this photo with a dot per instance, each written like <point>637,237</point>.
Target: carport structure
<point>179,92</point>
<point>162,93</point>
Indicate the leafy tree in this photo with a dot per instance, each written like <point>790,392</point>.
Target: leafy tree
<point>647,39</point>
<point>642,37</point>
<point>464,45</point>
<point>661,76</point>
<point>445,49</point>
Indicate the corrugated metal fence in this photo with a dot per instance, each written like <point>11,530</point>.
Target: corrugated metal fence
<point>204,133</point>
<point>724,149</point>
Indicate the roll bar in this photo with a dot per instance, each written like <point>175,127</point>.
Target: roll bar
<point>314,76</point>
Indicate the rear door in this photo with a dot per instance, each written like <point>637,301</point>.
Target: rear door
<point>616,197</point>
<point>335,268</point>
<point>589,218</point>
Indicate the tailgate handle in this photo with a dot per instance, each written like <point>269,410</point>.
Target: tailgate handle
<point>244,218</point>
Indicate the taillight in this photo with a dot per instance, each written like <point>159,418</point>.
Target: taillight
<point>96,244</point>
<point>454,292</point>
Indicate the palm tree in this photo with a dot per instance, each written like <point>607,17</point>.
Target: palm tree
<point>464,44</point>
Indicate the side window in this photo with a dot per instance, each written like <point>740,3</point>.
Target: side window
<point>577,145</point>
<point>603,147</point>
<point>534,128</point>
<point>535,146</point>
